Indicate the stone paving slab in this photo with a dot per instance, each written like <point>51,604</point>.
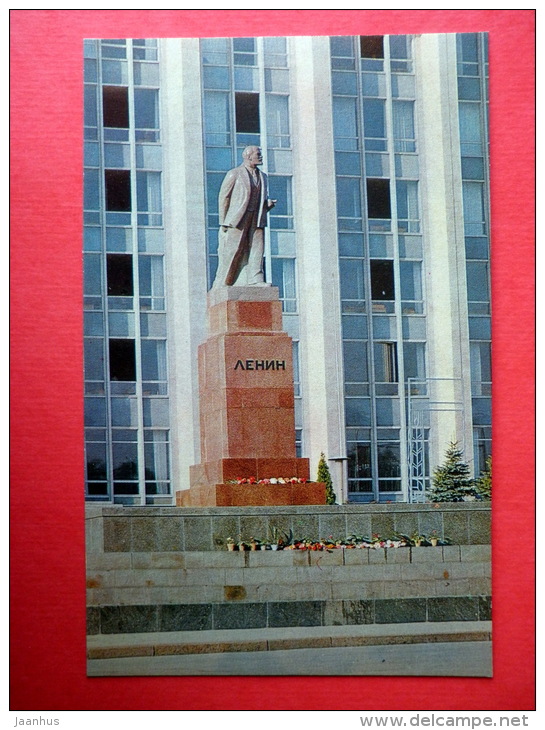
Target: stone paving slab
<point>251,640</point>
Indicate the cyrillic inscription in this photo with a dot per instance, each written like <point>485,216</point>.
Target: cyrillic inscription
<point>260,365</point>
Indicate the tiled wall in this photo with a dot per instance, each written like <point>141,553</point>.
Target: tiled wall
<point>170,529</point>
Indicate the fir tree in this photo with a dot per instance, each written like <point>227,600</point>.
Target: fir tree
<point>451,481</point>
<point>483,485</point>
<point>324,476</point>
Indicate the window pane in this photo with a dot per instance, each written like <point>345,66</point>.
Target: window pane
<point>414,362</point>
<point>148,191</point>
<point>94,358</point>
<point>154,361</point>
<point>389,463</point>
<point>118,190</point>
<point>348,197</point>
<point>352,279</point>
<point>378,198</point>
<point>382,280</point>
<point>477,281</point>
<point>355,362</point>
<point>115,106</point>
<point>120,279</point>
<point>91,198</point>
<point>358,411</point>
<point>403,117</point>
<point>374,123</point>
<point>122,360</point>
<point>92,274</point>
<point>385,354</point>
<point>216,116</point>
<point>372,46</point>
<point>247,112</point>
<point>146,109</point>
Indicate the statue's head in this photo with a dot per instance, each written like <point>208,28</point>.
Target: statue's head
<point>252,155</point>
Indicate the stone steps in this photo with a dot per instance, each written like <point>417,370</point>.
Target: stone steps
<point>109,646</point>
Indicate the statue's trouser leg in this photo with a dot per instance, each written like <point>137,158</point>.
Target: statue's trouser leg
<point>254,267</point>
<point>229,243</point>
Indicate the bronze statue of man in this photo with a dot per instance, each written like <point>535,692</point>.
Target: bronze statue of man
<point>243,208</point>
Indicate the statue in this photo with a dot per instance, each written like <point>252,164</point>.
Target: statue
<point>243,208</point>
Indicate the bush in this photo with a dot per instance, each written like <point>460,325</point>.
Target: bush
<point>451,481</point>
<point>483,485</point>
<point>324,475</point>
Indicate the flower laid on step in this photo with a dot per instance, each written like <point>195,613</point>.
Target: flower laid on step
<point>272,480</point>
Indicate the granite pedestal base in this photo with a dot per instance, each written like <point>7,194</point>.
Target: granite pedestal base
<point>252,495</point>
<point>246,404</point>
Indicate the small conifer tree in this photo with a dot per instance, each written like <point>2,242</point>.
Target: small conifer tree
<point>451,481</point>
<point>324,475</point>
<point>483,485</point>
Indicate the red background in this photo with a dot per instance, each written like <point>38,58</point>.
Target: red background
<point>47,516</point>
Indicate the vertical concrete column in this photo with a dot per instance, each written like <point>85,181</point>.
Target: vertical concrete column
<point>444,248</point>
<point>185,226</point>
<point>317,254</point>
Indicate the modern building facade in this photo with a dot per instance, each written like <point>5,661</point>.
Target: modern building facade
<point>376,149</point>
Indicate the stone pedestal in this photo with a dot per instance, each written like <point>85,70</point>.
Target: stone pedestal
<point>246,400</point>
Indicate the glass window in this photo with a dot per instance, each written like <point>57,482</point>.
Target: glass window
<point>90,106</point>
<point>92,274</point>
<point>348,197</point>
<point>277,79</point>
<point>146,108</point>
<point>470,128</point>
<point>352,278</point>
<point>372,46</point>
<point>345,124</point>
<point>118,190</point>
<point>350,244</point>
<point>344,82</point>
<point>151,282</point>
<point>278,129</point>
<point>156,456</point>
<point>477,281</point>
<point>359,460</point>
<point>283,276</point>
<point>382,280</point>
<point>414,359</point>
<point>91,192</point>
<point>385,354</point>
<point>374,124</point>
<point>355,362</point>
<point>120,279</point>
<point>473,168</point>
<point>411,281</point>
<point>215,51</point>
<point>115,106</point>
<point>407,206</point>
<point>215,77</point>
<point>125,460</point>
<point>94,358</point>
<point>154,360</point>
<point>358,411</point>
<point>387,411</point>
<point>378,198</point>
<point>280,190</point>
<point>95,412</point>
<point>403,120</point>
<point>247,112</point>
<point>148,191</point>
<point>217,118</point>
<point>474,213</point>
<point>96,460</point>
<point>481,365</point>
<point>122,360</point>
<point>389,464</point>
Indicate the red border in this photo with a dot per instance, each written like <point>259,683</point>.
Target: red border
<point>47,546</point>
